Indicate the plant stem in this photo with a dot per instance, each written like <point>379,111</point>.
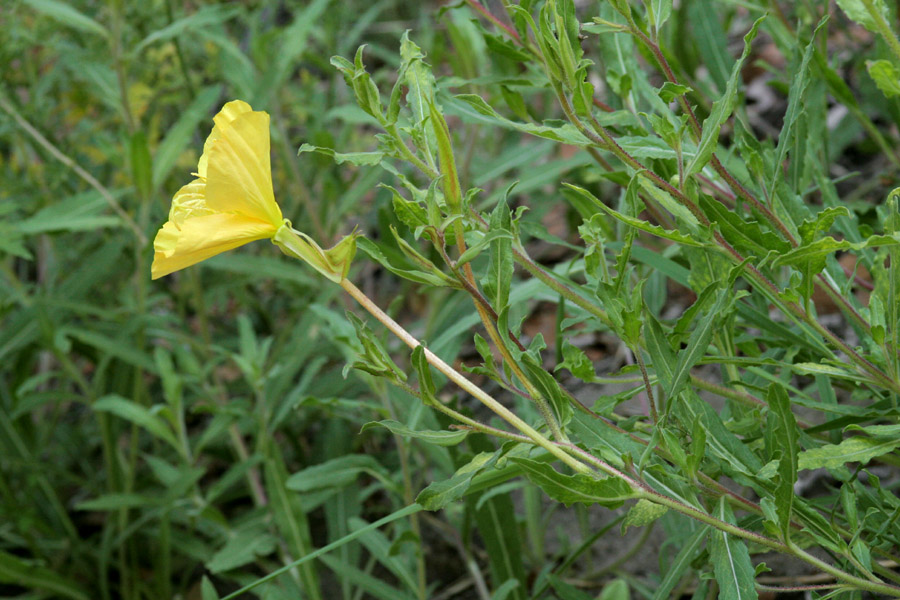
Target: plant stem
<point>654,416</point>
<point>457,378</point>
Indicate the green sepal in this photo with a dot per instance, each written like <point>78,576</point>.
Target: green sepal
<point>333,263</point>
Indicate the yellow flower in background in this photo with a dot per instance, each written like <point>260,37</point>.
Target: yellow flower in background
<point>230,203</point>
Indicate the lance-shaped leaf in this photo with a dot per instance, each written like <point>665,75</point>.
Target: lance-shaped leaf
<point>796,100</point>
<point>565,133</point>
<point>439,438</point>
<point>781,441</point>
<point>549,388</point>
<point>358,159</point>
<point>450,178</point>
<point>696,347</point>
<point>637,223</point>
<point>744,234</point>
<point>857,449</point>
<point>579,488</point>
<point>500,266</point>
<point>722,108</point>
<point>731,560</point>
<point>441,493</point>
<point>431,277</point>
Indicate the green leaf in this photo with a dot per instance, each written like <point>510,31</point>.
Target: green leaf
<point>721,443</point>
<point>361,83</point>
<point>682,214</point>
<point>68,16</point>
<point>439,438</point>
<point>885,75</point>
<point>781,438</point>
<point>661,353</point>
<point>418,77</point>
<point>611,444</point>
<point>746,235</point>
<point>381,548</point>
<point>500,266</point>
<point>566,591</point>
<point>731,560</point>
<point>681,563</point>
<point>335,473</point>
<point>358,159</point>
<point>242,548</point>
<point>263,267</point>
<point>811,229</point>
<point>857,449</point>
<point>577,362</point>
<point>15,571</point>
<point>696,347</point>
<point>81,212</point>
<point>617,589</point>
<point>121,349</point>
<point>208,590</point>
<point>659,12</point>
<point>669,91</point>
<point>796,101</point>
<point>394,516</point>
<point>435,278</point>
<point>549,388</point>
<point>446,160</point>
<point>711,38</point>
<point>476,248</point>
<point>566,133</point>
<point>495,518</point>
<point>812,252</point>
<point>137,414</point>
<point>579,488</point>
<point>289,515</point>
<point>643,513</point>
<point>856,11</point>
<point>637,223</point>
<point>111,502</point>
<point>423,369</point>
<point>722,108</point>
<point>441,493</point>
<point>375,587</point>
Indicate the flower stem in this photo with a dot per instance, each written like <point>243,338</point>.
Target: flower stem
<point>457,378</point>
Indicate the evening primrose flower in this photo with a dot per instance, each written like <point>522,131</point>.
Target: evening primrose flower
<point>231,203</point>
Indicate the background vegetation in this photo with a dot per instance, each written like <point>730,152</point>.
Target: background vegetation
<point>194,435</point>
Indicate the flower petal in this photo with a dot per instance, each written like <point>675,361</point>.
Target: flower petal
<point>239,173</point>
<point>222,120</point>
<point>181,245</point>
<point>189,202</point>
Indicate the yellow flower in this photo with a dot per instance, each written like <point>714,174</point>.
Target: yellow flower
<point>230,203</point>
